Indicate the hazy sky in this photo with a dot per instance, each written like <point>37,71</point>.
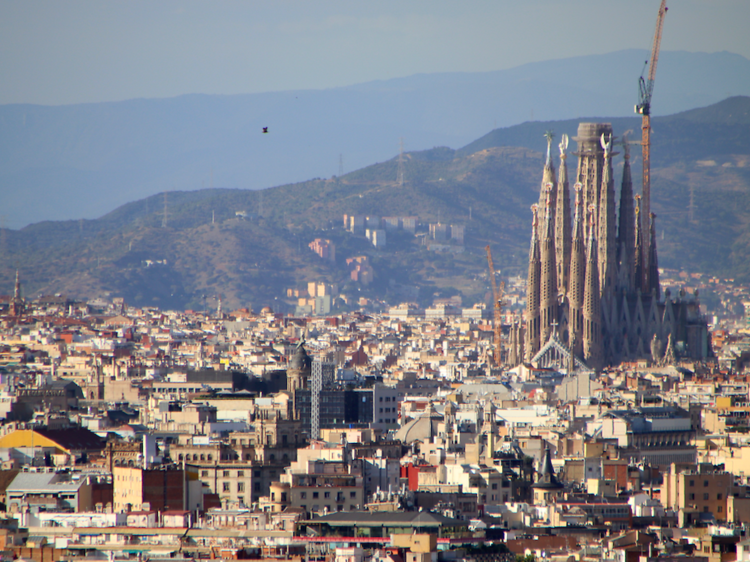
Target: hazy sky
<point>54,52</point>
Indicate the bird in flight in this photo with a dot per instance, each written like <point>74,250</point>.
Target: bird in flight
<point>265,129</point>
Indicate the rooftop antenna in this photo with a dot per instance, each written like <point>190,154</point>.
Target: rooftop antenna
<point>400,172</point>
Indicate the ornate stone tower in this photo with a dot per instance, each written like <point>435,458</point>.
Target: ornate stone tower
<point>592,311</point>
<point>547,488</point>
<point>299,370</point>
<point>607,239</point>
<point>626,227</point>
<point>590,162</point>
<point>548,285</point>
<point>17,305</point>
<point>548,179</point>
<point>577,279</point>
<point>532,292</point>
<point>562,222</point>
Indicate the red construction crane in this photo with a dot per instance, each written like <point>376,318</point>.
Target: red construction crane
<point>497,295</point>
<point>646,90</point>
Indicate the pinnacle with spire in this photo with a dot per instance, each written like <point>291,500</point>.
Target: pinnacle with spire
<point>547,478</point>
<point>533,290</point>
<point>548,283</point>
<point>626,225</point>
<point>592,312</point>
<point>607,243</point>
<point>562,222</point>
<point>577,277</point>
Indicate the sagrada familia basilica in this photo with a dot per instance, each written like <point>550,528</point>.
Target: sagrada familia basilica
<point>593,293</point>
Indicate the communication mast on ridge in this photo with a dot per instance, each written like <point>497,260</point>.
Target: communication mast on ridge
<point>400,172</point>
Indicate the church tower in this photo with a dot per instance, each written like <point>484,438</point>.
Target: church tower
<point>562,222</point>
<point>532,292</point>
<point>577,278</point>
<point>17,305</point>
<point>548,284</point>
<point>300,369</point>
<point>626,227</point>
<point>592,310</point>
<point>607,250</point>
<point>590,162</point>
<point>548,180</point>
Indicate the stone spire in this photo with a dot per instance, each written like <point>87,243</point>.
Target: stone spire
<point>607,240</point>
<point>592,310</point>
<point>532,292</point>
<point>547,478</point>
<point>513,351</point>
<point>653,262</point>
<point>17,287</point>
<point>577,278</point>
<point>548,284</point>
<point>638,249</point>
<point>562,222</point>
<point>547,487</point>
<point>626,226</point>
<point>17,304</point>
<point>548,179</point>
<point>670,355</point>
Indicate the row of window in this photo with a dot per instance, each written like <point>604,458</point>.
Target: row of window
<point>326,495</point>
<point>705,496</point>
<point>240,473</point>
<point>328,507</point>
<point>705,483</point>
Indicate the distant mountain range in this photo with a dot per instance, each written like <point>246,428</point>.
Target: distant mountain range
<point>82,161</point>
<point>249,246</point>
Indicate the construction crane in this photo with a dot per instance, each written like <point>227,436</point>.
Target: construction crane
<point>646,90</point>
<point>497,295</point>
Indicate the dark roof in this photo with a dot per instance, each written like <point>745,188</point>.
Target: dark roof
<point>300,360</point>
<point>547,479</point>
<point>6,477</point>
<point>386,519</point>
<point>74,438</point>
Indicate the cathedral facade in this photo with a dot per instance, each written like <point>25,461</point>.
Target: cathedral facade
<point>593,292</point>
